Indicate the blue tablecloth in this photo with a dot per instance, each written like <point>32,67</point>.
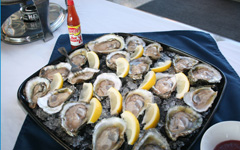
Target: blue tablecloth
<point>199,44</point>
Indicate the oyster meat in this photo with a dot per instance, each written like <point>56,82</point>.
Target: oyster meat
<point>133,42</point>
<point>200,99</point>
<point>137,101</point>
<point>106,44</point>
<point>111,58</point>
<point>153,51</point>
<point>53,101</point>
<point>138,67</point>
<point>104,82</point>
<point>79,57</point>
<point>204,72</point>
<point>181,121</point>
<point>35,88</point>
<point>73,116</point>
<point>152,140</point>
<point>82,75</point>
<point>165,85</point>
<point>49,71</point>
<point>183,63</point>
<point>109,134</point>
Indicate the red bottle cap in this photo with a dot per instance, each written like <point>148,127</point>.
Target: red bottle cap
<point>70,2</point>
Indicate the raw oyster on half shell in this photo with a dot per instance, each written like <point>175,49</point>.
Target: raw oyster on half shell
<point>137,101</point>
<point>200,99</point>
<point>73,116</point>
<point>111,58</point>
<point>49,71</point>
<point>133,42</point>
<point>109,134</point>
<point>79,57</point>
<point>82,75</point>
<point>106,44</point>
<point>35,88</point>
<point>165,85</point>
<point>204,72</point>
<point>152,140</point>
<point>183,63</point>
<point>138,67</point>
<point>53,101</point>
<point>153,51</point>
<point>104,82</point>
<point>181,121</point>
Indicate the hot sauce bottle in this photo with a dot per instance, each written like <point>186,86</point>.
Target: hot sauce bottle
<point>74,27</point>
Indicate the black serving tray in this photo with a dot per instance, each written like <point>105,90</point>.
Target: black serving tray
<point>188,140</point>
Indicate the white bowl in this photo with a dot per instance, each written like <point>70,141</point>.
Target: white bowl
<point>223,131</point>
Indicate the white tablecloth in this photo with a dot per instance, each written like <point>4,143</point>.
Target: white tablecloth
<point>97,16</point>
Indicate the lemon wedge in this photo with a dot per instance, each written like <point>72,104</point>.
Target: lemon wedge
<point>149,80</point>
<point>95,110</point>
<point>115,101</point>
<point>151,117</point>
<point>57,82</point>
<point>122,67</point>
<point>86,93</point>
<point>138,52</point>
<point>93,60</point>
<point>133,127</point>
<point>183,85</point>
<point>162,66</point>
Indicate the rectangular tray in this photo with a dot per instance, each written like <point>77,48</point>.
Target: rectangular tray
<point>188,140</point>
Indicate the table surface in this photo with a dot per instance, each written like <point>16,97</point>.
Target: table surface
<point>97,16</point>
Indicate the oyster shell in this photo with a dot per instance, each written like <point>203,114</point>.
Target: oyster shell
<point>138,67</point>
<point>181,121</point>
<point>137,101</point>
<point>165,85</point>
<point>152,140</point>
<point>111,58</point>
<point>106,44</point>
<point>73,116</point>
<point>204,72</point>
<point>79,57</point>
<point>104,82</point>
<point>49,71</point>
<point>153,51</point>
<point>81,76</point>
<point>109,134</point>
<point>133,42</point>
<point>35,88</point>
<point>183,63</point>
<point>200,99</point>
<point>53,101</point>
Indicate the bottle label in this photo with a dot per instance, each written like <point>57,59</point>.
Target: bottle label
<point>75,35</point>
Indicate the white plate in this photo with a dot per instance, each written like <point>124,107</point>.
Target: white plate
<point>223,131</point>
